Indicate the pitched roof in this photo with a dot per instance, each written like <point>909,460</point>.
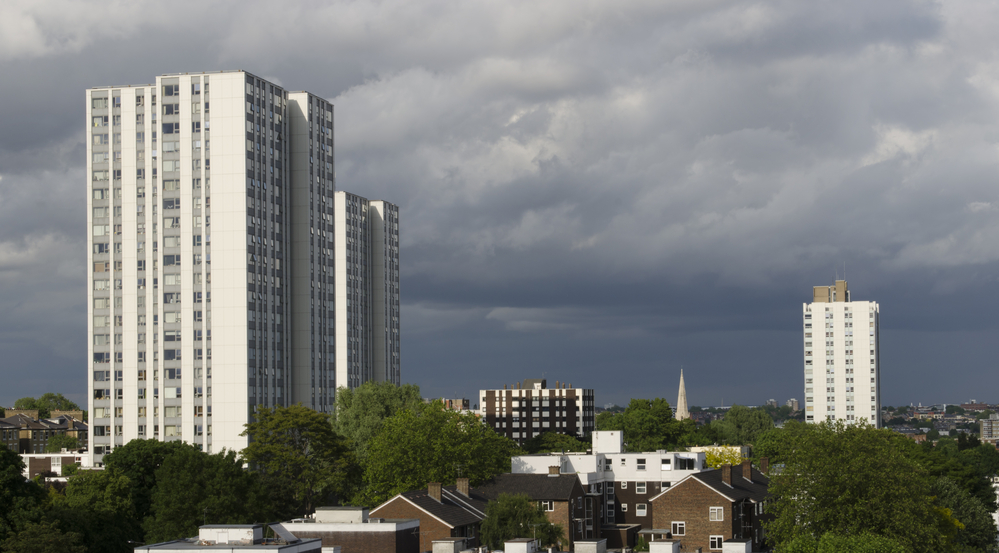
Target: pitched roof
<point>536,486</point>
<point>454,509</point>
<point>755,490</point>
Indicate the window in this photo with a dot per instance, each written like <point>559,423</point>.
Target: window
<point>624,507</point>
<point>716,514</point>
<point>641,509</point>
<point>715,542</point>
<point>641,464</point>
<point>679,528</point>
<point>547,505</point>
<point>640,487</point>
<point>624,485</point>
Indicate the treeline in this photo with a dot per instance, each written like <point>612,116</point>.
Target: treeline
<point>839,487</point>
<point>649,425</point>
<point>384,440</point>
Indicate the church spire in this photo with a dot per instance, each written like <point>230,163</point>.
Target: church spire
<point>681,401</point>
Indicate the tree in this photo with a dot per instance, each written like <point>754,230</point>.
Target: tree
<point>20,500</point>
<point>431,444</point>
<point>648,425</point>
<point>193,487</point>
<point>954,410</point>
<point>46,404</point>
<point>979,530</point>
<point>139,460</point>
<point>59,442</point>
<point>296,447</point>
<point>553,441</point>
<point>848,480</point>
<point>98,506</point>
<point>516,516</point>
<point>361,411</point>
<point>718,456</point>
<point>748,423</point>
<point>833,543</point>
<point>43,537</point>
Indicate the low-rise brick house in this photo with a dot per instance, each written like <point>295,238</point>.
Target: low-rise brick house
<point>561,496</point>
<point>709,507</point>
<point>443,512</point>
<point>25,434</point>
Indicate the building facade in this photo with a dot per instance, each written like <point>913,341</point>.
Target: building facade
<point>842,364</point>
<point>525,411</point>
<point>212,260</point>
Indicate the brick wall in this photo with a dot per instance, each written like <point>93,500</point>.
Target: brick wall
<point>400,541</point>
<point>690,502</point>
<point>430,528</point>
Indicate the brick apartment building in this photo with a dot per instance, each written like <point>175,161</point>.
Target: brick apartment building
<point>561,496</point>
<point>525,411</point>
<point>443,512</point>
<point>25,433</point>
<point>709,507</point>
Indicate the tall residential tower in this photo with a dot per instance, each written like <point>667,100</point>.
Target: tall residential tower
<point>223,265</point>
<point>842,376</point>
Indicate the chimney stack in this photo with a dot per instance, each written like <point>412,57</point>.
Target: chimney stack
<point>554,470</point>
<point>434,490</point>
<point>747,469</point>
<point>462,486</point>
<point>726,476</point>
<point>765,465</point>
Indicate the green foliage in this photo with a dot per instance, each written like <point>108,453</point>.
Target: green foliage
<point>297,449</point>
<point>978,531</point>
<point>431,444</point>
<point>721,455</point>
<point>954,410</point>
<point>984,414</point>
<point>553,441</point>
<point>20,499</point>
<point>748,423</point>
<point>834,543</point>
<point>648,425</point>
<point>46,404</point>
<point>850,480</point>
<point>193,488</point>
<point>43,537</point>
<point>516,516</point>
<point>98,506</point>
<point>361,411</point>
<point>59,442</point>
<point>139,460</point>
<point>641,544</point>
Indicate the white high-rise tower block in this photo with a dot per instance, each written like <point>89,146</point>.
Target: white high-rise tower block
<point>842,364</point>
<point>213,261</point>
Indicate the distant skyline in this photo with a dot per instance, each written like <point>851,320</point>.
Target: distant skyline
<point>594,193</point>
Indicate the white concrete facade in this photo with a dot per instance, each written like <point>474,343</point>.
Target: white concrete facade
<point>160,341</point>
<point>842,362</point>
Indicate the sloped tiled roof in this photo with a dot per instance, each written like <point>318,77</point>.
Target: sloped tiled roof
<point>537,486</point>
<point>454,509</point>
<point>755,490</point>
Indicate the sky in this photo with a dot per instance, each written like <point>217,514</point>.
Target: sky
<point>600,193</point>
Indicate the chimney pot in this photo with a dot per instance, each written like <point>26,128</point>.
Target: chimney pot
<point>554,470</point>
<point>765,465</point>
<point>747,469</point>
<point>434,491</point>
<point>726,474</point>
<point>462,484</point>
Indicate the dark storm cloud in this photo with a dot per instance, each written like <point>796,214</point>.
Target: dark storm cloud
<point>596,192</point>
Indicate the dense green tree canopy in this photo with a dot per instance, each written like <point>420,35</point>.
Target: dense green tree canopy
<point>979,530</point>
<point>648,425</point>
<point>139,460</point>
<point>194,488</point>
<point>296,447</point>
<point>59,442</point>
<point>43,537</point>
<point>98,506</point>
<point>850,480</point>
<point>516,516</point>
<point>46,404</point>
<point>20,499</point>
<point>553,441</point>
<point>361,411</point>
<point>431,444</point>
